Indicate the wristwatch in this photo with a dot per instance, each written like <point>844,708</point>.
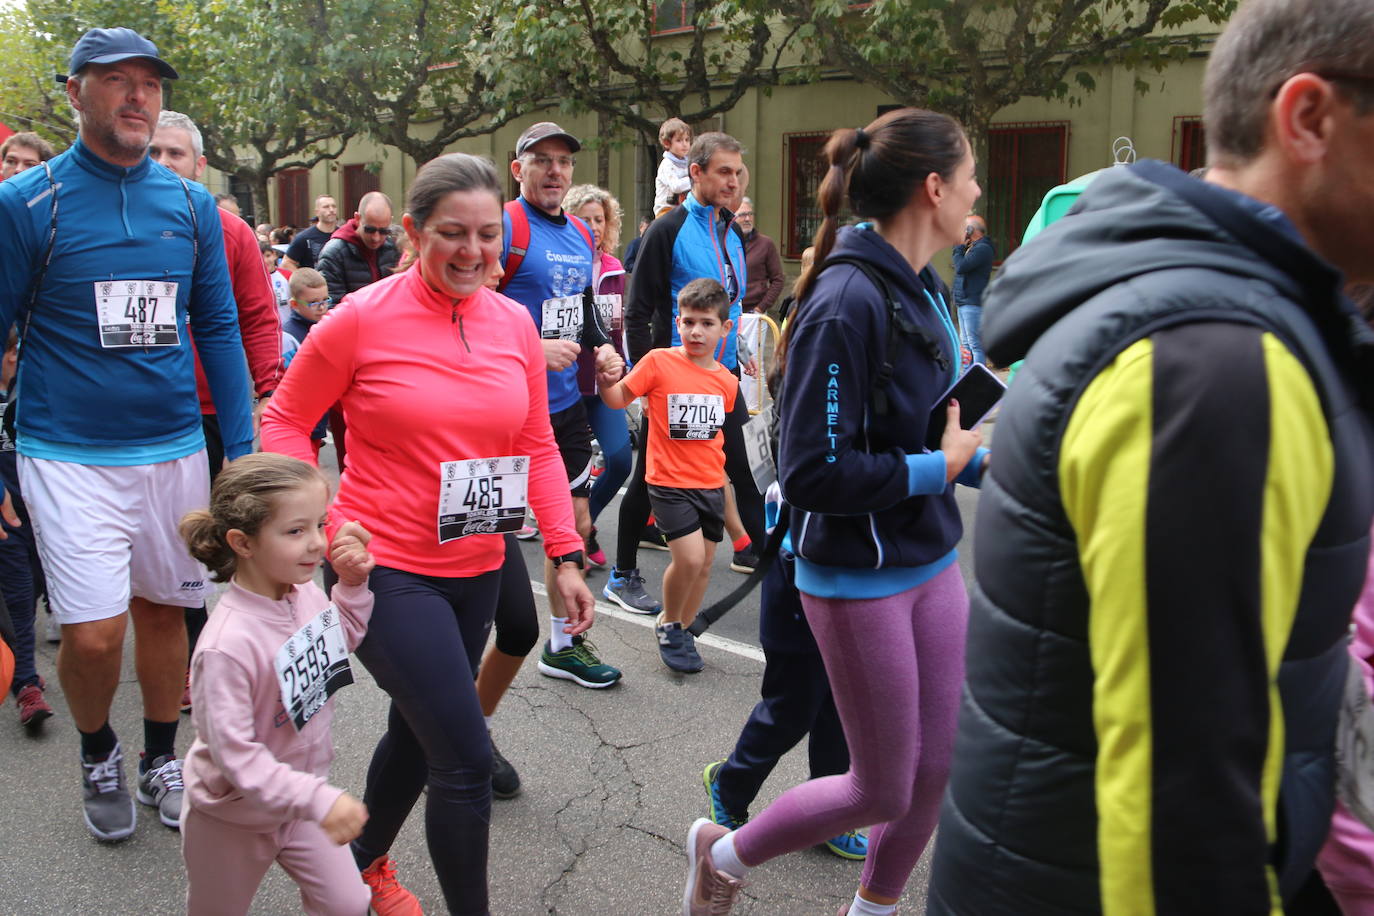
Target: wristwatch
<point>574,557</point>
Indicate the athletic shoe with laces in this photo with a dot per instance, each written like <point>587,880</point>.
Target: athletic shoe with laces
<point>160,787</point>
<point>709,891</point>
<point>596,557</point>
<point>186,694</point>
<point>689,647</point>
<point>745,561</point>
<point>33,708</point>
<point>627,590</point>
<point>672,648</point>
<point>718,813</point>
<point>389,898</point>
<point>851,845</point>
<point>106,805</point>
<point>578,663</point>
<point>652,538</point>
<point>505,781</point>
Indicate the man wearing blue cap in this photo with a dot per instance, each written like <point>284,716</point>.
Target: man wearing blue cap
<point>111,450</point>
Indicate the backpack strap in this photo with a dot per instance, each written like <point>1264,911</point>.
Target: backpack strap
<point>586,233</point>
<point>12,403</point>
<point>899,327</point>
<point>519,241</point>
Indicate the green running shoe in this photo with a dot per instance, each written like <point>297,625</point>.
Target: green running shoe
<point>578,664</point>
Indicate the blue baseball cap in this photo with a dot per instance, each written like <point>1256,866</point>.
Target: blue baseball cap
<point>108,46</point>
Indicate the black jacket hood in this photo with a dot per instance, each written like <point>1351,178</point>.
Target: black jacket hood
<point>1146,217</point>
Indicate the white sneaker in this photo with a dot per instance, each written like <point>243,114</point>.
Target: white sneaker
<point>54,631</point>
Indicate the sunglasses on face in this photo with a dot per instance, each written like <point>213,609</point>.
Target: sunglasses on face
<point>373,230</point>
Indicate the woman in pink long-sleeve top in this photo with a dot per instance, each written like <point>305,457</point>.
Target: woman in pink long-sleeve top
<point>442,383</point>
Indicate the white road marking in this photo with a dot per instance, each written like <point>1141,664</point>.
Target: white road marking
<point>723,643</point>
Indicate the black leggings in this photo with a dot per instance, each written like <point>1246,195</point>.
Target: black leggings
<point>517,621</point>
<point>634,506</point>
<point>422,629</point>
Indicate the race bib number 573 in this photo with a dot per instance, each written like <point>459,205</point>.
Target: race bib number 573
<point>482,496</point>
<point>137,313</point>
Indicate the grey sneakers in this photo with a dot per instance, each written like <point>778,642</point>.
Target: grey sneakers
<point>627,590</point>
<point>160,787</point>
<point>106,806</point>
<point>677,648</point>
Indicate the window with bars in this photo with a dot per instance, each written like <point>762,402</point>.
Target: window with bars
<point>674,16</point>
<point>358,180</point>
<point>1190,143</point>
<point>802,154</point>
<point>1025,161</point>
<point>293,197</point>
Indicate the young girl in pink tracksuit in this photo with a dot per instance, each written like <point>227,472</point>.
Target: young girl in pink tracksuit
<point>273,652</point>
<point>1347,860</point>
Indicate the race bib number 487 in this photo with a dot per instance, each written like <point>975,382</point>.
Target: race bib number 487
<point>695,416</point>
<point>482,496</point>
<point>137,313</point>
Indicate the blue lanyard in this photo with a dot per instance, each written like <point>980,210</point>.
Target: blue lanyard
<point>943,311</point>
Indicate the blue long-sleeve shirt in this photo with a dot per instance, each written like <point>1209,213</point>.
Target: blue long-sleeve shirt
<point>82,397</point>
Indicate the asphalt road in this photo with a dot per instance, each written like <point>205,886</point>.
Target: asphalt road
<point>612,781</point>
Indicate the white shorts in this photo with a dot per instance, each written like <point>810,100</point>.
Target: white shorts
<point>106,534</point>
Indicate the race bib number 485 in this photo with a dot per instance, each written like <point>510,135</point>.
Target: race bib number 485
<point>312,665</point>
<point>137,313</point>
<point>482,496</point>
<point>695,416</point>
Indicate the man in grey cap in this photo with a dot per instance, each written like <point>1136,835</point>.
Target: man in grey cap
<point>547,261</point>
<point>111,450</point>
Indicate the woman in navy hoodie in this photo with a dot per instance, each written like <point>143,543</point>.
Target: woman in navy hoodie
<point>874,523</point>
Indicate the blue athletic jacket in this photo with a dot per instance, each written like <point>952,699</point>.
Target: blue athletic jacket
<point>81,401</point>
<point>691,241</point>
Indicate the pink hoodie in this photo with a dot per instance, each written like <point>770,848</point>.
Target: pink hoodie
<point>248,765</point>
<point>1347,860</point>
<point>425,379</point>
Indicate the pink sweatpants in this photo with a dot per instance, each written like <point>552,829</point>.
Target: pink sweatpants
<point>225,864</point>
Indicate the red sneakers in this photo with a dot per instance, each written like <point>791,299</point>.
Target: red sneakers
<point>388,897</point>
<point>33,709</point>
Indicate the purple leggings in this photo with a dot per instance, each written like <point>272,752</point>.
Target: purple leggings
<point>896,666</point>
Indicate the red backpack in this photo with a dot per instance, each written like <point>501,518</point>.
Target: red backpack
<point>520,240</point>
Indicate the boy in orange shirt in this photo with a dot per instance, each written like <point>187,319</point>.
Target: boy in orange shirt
<point>690,394</point>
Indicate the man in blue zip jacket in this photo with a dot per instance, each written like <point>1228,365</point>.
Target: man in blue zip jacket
<point>111,449</point>
<point>972,269</point>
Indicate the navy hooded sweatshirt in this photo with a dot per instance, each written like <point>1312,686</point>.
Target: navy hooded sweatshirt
<point>872,514</point>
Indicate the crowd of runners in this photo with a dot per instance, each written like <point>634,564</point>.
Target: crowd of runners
<point>1135,708</point>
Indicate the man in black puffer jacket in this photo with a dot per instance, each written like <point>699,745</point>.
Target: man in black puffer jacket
<point>1176,527</point>
<point>361,251</point>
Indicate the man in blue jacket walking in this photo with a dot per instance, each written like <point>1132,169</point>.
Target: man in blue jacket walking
<point>972,268</point>
<point>111,448</point>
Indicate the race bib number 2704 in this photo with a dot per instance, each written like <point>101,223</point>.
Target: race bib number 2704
<point>137,313</point>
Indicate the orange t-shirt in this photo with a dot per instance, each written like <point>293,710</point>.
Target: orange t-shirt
<point>687,408</point>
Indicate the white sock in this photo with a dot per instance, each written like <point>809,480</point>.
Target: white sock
<point>723,854</point>
<point>862,907</point>
<point>557,638</point>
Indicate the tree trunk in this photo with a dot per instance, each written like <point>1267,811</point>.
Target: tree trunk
<point>257,184</point>
<point>603,151</point>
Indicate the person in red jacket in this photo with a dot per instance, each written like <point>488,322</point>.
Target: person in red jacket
<point>177,144</point>
<point>442,384</point>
